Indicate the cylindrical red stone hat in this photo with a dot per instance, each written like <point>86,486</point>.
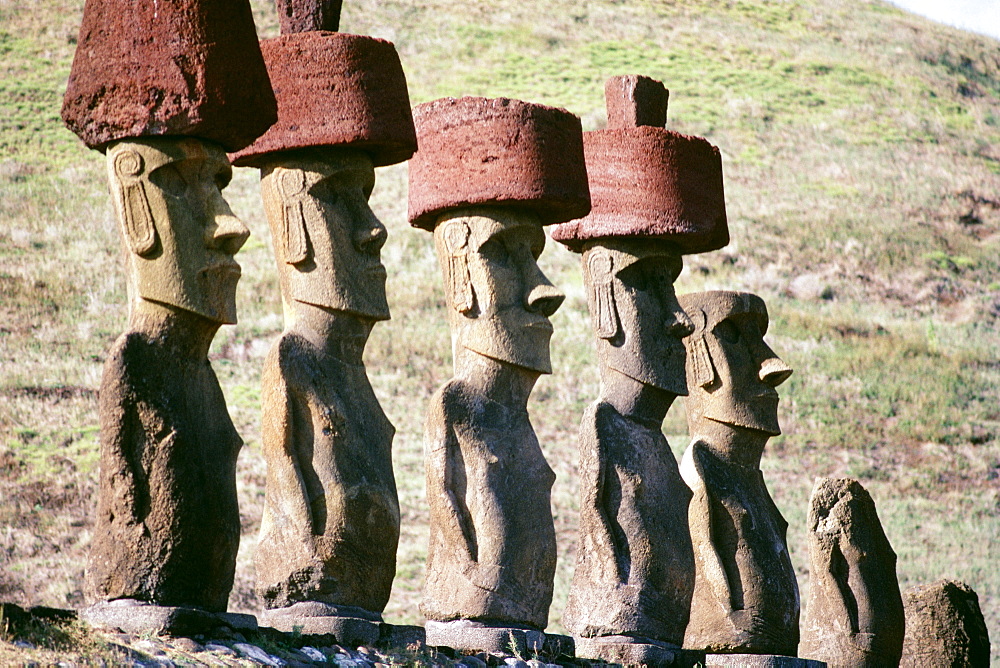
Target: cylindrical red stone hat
<point>336,89</point>
<point>475,151</point>
<point>647,181</point>
<point>171,67</point>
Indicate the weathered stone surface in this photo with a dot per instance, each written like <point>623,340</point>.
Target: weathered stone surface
<point>466,635</point>
<point>330,525</point>
<point>631,651</point>
<point>646,181</point>
<point>308,15</point>
<point>746,598</point>
<point>492,548</point>
<point>350,626</point>
<point>476,151</point>
<point>635,568</point>
<point>634,100</point>
<point>854,614</point>
<point>335,89</point>
<point>759,661</point>
<point>944,627</point>
<point>136,617</point>
<point>168,525</point>
<point>173,67</point>
<point>403,635</point>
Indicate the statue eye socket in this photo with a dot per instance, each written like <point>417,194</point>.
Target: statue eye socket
<point>496,252</point>
<point>170,180</point>
<point>325,192</point>
<point>222,178</point>
<point>727,331</point>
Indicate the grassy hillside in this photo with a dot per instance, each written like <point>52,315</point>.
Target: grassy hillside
<point>861,149</point>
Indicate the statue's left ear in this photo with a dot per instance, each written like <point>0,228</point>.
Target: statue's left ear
<point>133,202</point>
<point>291,186</point>
<point>456,240</point>
<point>603,311</point>
<point>700,359</point>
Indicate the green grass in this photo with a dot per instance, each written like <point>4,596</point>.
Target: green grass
<point>861,146</point>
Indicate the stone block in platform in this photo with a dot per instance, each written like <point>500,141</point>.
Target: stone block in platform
<point>137,617</point>
<point>350,626</point>
<point>467,635</point>
<point>633,652</point>
<point>759,661</point>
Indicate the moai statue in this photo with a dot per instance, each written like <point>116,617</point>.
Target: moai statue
<point>746,599</point>
<point>944,627</point>
<point>487,176</point>
<point>854,614</point>
<point>327,552</point>
<point>165,90</point>
<point>657,195</point>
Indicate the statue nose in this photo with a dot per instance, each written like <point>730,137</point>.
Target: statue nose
<point>370,234</point>
<point>545,298</point>
<point>680,325</point>
<point>774,372</point>
<point>228,234</point>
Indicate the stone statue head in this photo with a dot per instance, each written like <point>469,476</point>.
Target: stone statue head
<point>732,374</point>
<point>499,300</point>
<point>180,235</point>
<point>634,310</point>
<point>327,240</point>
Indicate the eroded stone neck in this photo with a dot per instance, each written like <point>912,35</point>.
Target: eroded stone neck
<point>339,334</point>
<point>738,445</point>
<point>634,399</point>
<point>185,333</point>
<point>501,382</point>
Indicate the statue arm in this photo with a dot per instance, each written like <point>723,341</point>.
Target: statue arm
<point>286,490</point>
<point>707,558</point>
<point>832,576</point>
<point>120,428</point>
<point>449,516</point>
<point>594,485</point>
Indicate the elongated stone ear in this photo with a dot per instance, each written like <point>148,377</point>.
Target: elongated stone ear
<point>604,312</point>
<point>133,203</point>
<point>291,186</point>
<point>700,359</point>
<point>456,239</point>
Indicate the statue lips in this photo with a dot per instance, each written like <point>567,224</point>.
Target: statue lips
<point>541,324</point>
<point>376,271</point>
<point>223,270</point>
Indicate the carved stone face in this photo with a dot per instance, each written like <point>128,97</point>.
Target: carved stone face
<point>500,300</point>
<point>639,324</point>
<point>180,234</point>
<point>732,373</point>
<point>327,239</point>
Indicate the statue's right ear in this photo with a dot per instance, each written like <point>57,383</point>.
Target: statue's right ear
<point>456,241</point>
<point>699,357</point>
<point>291,184</point>
<point>603,310</point>
<point>133,203</point>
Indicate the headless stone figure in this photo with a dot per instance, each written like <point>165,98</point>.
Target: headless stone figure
<point>331,516</point>
<point>330,527</point>
<point>746,598</point>
<point>635,570</point>
<point>492,552</point>
<point>854,614</point>
<point>489,174</point>
<point>944,627</point>
<point>168,525</point>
